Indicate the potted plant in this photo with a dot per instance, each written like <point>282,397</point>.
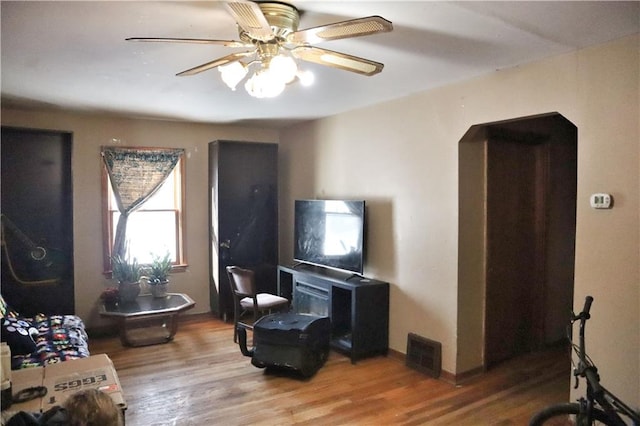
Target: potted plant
<point>158,274</point>
<point>127,272</point>
<point>110,296</point>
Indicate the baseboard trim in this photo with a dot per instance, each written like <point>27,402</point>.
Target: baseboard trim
<point>398,356</point>
<point>445,376</point>
<point>466,375</point>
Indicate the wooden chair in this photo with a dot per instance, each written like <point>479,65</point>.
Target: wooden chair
<point>248,300</point>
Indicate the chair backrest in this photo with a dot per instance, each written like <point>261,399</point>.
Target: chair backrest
<point>242,281</point>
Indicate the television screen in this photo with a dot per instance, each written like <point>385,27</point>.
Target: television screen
<point>330,233</point>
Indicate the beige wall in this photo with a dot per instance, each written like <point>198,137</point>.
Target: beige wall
<point>89,134</point>
<point>402,157</point>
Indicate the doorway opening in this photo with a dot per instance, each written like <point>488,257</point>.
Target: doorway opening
<point>517,221</point>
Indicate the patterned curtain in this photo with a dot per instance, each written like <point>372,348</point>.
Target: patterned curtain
<point>136,174</point>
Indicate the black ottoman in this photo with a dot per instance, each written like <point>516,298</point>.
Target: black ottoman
<point>297,342</point>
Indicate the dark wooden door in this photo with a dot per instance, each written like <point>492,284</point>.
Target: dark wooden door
<point>243,182</point>
<point>37,200</point>
<point>515,247</point>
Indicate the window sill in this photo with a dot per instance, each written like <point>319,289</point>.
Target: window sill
<point>174,268</point>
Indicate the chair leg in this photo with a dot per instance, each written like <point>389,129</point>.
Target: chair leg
<point>235,324</point>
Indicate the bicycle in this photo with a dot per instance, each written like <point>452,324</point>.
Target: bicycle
<point>600,406</point>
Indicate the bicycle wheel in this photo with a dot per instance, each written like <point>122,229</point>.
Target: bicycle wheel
<point>568,414</point>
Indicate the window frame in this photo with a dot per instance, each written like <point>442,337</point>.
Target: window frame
<point>107,231</point>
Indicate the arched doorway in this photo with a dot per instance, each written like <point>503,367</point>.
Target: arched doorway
<point>516,237</point>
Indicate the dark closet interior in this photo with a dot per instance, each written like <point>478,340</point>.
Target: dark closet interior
<point>37,221</point>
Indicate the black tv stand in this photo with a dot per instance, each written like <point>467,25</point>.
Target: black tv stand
<point>360,277</point>
<point>358,308</point>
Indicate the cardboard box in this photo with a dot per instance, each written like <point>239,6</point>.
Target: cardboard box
<point>24,379</point>
<point>64,379</point>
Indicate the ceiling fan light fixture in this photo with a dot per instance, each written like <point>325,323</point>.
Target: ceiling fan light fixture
<point>233,73</point>
<point>264,84</point>
<point>284,67</point>
<point>270,28</point>
<point>306,78</point>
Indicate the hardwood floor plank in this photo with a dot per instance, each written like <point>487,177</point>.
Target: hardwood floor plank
<point>201,378</point>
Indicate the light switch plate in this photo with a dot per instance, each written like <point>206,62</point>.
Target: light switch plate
<point>600,201</point>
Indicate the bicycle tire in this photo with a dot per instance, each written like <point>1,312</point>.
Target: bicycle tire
<point>567,414</point>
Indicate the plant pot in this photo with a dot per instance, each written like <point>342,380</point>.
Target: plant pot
<point>128,291</point>
<point>159,290</point>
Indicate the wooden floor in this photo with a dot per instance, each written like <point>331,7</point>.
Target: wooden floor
<point>201,378</point>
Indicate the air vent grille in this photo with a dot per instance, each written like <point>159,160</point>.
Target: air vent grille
<point>424,355</point>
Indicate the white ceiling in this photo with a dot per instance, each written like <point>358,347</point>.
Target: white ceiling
<point>74,55</point>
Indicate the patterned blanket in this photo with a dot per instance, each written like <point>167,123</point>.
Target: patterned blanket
<point>43,339</point>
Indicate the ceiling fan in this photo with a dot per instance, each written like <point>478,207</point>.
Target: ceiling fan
<point>269,29</point>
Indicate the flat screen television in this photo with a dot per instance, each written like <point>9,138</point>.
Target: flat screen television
<point>330,233</point>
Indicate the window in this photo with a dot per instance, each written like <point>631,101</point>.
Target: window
<point>155,227</point>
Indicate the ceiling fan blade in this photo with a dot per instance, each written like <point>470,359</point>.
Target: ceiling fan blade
<point>337,60</point>
<point>215,63</point>
<point>250,18</point>
<point>227,43</point>
<point>345,29</point>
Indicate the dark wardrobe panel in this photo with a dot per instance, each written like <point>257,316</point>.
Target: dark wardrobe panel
<point>37,221</point>
<point>243,203</point>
